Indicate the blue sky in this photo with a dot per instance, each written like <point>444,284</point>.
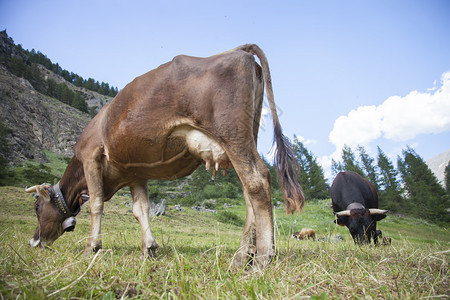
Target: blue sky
<point>344,72</point>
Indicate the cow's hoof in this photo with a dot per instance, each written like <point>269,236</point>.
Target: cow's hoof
<point>92,249</point>
<point>262,261</point>
<point>87,251</point>
<point>150,252</point>
<point>242,260</point>
<point>96,248</point>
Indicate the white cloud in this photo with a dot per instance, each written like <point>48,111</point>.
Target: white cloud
<point>306,141</point>
<point>359,127</point>
<point>397,118</point>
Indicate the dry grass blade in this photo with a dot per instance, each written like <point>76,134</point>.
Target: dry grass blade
<point>308,288</point>
<point>82,275</point>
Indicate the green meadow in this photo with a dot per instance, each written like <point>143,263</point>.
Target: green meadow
<point>196,251</point>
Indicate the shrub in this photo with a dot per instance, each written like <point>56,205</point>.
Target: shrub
<point>229,218</point>
<point>37,174</point>
<point>154,192</point>
<point>277,198</point>
<point>229,190</point>
<point>225,190</point>
<point>190,200</point>
<point>209,204</point>
<point>212,191</point>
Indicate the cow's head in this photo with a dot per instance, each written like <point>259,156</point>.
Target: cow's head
<point>361,222</point>
<point>52,222</point>
<point>298,236</point>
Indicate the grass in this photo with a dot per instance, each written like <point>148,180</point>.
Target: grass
<point>196,249</point>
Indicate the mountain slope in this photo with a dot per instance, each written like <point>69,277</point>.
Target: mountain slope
<point>438,163</point>
<point>37,122</point>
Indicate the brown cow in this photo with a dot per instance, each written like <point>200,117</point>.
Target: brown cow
<point>305,233</point>
<point>163,125</point>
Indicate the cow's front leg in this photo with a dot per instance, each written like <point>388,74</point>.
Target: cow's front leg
<point>93,174</point>
<point>95,242</point>
<point>139,192</point>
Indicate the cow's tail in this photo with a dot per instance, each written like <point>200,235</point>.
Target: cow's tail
<point>294,198</point>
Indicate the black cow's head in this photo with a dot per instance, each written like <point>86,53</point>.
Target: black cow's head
<point>361,222</point>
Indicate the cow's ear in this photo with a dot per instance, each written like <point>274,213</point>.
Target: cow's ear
<point>378,217</point>
<point>342,221</point>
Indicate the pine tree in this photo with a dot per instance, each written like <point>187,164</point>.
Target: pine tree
<point>79,103</point>
<point>78,80</point>
<point>113,92</point>
<point>447,178</point>
<point>336,167</point>
<point>349,162</point>
<point>5,150</point>
<point>200,178</point>
<point>90,84</point>
<point>370,169</point>
<point>274,185</point>
<point>311,176</point>
<point>426,197</point>
<point>320,189</point>
<point>389,187</point>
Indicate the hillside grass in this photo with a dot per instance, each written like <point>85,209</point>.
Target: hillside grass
<point>195,254</point>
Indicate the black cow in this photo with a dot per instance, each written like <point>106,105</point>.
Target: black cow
<point>355,204</point>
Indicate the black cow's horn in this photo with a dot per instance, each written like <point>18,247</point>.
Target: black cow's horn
<point>376,211</point>
<point>343,213</point>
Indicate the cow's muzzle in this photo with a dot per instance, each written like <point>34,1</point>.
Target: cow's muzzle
<point>69,224</point>
<point>39,243</point>
<point>34,243</point>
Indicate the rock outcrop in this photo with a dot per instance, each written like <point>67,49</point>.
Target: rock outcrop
<point>37,122</point>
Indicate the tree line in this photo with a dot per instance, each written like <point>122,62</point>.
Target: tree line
<point>49,87</point>
<point>26,66</point>
<point>102,88</point>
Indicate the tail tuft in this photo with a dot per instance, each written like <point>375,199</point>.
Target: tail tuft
<point>285,163</point>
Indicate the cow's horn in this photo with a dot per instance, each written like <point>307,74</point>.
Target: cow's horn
<point>31,189</point>
<point>40,190</point>
<point>376,211</point>
<point>343,213</point>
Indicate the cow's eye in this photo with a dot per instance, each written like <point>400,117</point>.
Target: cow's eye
<point>36,207</point>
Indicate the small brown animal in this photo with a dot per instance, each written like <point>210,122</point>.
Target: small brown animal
<point>386,241</point>
<point>305,233</point>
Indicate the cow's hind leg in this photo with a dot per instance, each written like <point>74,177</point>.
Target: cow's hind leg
<point>139,192</point>
<point>258,230</point>
<point>247,248</point>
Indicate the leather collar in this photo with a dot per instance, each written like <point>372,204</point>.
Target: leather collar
<point>61,204</point>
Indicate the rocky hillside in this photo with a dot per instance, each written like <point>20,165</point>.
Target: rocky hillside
<point>94,100</point>
<point>37,122</point>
